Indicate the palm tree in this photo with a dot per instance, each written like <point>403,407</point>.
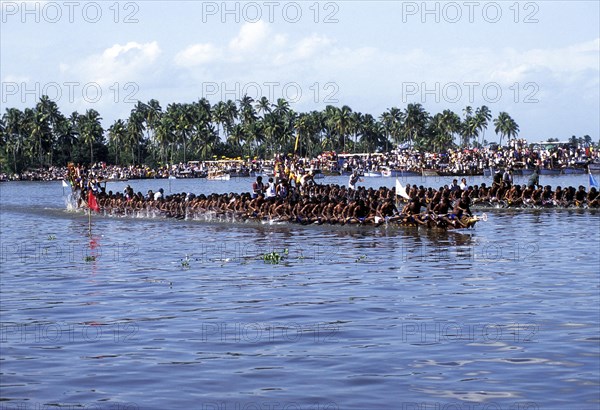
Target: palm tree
<point>117,134</point>
<point>315,133</point>
<point>342,122</point>
<point>246,110</point>
<point>302,131</point>
<point>482,117</point>
<point>220,115</point>
<point>329,128</point>
<point>153,113</point>
<point>372,134</point>
<point>184,124</point>
<point>210,140</point>
<point>415,122</point>
<point>469,131</point>
<point>452,123</point>
<point>14,134</point>
<point>443,126</point>
<point>135,130</point>
<point>91,130</point>
<point>273,129</point>
<point>505,126</point>
<point>287,138</point>
<point>40,131</point>
<point>67,137</point>
<point>236,138</point>
<point>354,128</point>
<point>231,112</point>
<point>281,107</point>
<point>164,136</point>
<point>52,117</point>
<point>263,106</point>
<point>573,140</point>
<point>391,121</point>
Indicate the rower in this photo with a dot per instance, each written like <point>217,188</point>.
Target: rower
<point>270,191</point>
<point>461,207</point>
<point>257,187</point>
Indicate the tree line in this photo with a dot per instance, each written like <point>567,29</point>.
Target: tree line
<point>42,136</point>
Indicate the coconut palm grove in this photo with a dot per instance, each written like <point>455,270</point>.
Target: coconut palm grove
<point>154,135</point>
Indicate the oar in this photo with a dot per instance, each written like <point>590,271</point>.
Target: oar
<point>483,217</point>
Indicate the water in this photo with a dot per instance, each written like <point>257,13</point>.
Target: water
<point>156,314</point>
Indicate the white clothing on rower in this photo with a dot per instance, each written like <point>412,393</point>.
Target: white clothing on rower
<point>270,190</point>
<point>354,178</point>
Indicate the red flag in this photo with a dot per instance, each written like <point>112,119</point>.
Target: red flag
<point>92,203</point>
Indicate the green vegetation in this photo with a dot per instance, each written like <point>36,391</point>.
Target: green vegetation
<point>185,262</point>
<point>361,258</point>
<point>42,136</point>
<point>274,258</point>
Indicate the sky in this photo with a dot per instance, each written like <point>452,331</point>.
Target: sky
<point>537,60</point>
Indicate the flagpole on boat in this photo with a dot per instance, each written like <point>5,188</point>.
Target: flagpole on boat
<point>592,183</point>
<point>89,214</point>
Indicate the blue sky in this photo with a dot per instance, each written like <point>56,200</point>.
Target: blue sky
<point>539,61</point>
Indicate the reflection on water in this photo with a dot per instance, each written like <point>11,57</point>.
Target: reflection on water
<point>152,313</point>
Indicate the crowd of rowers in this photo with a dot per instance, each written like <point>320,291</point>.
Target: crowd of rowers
<point>311,203</point>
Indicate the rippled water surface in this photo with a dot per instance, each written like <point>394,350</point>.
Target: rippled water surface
<point>157,314</point>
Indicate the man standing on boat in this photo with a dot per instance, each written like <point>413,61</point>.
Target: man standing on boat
<point>257,187</point>
<point>534,179</point>
<point>308,179</point>
<point>507,177</point>
<point>354,179</point>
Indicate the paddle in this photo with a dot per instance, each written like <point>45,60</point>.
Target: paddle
<point>483,217</point>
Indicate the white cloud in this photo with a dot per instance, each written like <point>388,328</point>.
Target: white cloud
<point>305,48</point>
<point>128,62</point>
<point>255,43</point>
<point>197,54</point>
<point>251,37</point>
<point>513,66</point>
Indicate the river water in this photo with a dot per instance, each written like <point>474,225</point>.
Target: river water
<point>170,314</point>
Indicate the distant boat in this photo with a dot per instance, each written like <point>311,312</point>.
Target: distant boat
<point>489,172</point>
<point>429,173</point>
<point>395,173</point>
<point>573,170</point>
<point>522,171</point>
<point>239,173</point>
<point>318,174</point>
<point>549,171</point>
<point>218,176</point>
